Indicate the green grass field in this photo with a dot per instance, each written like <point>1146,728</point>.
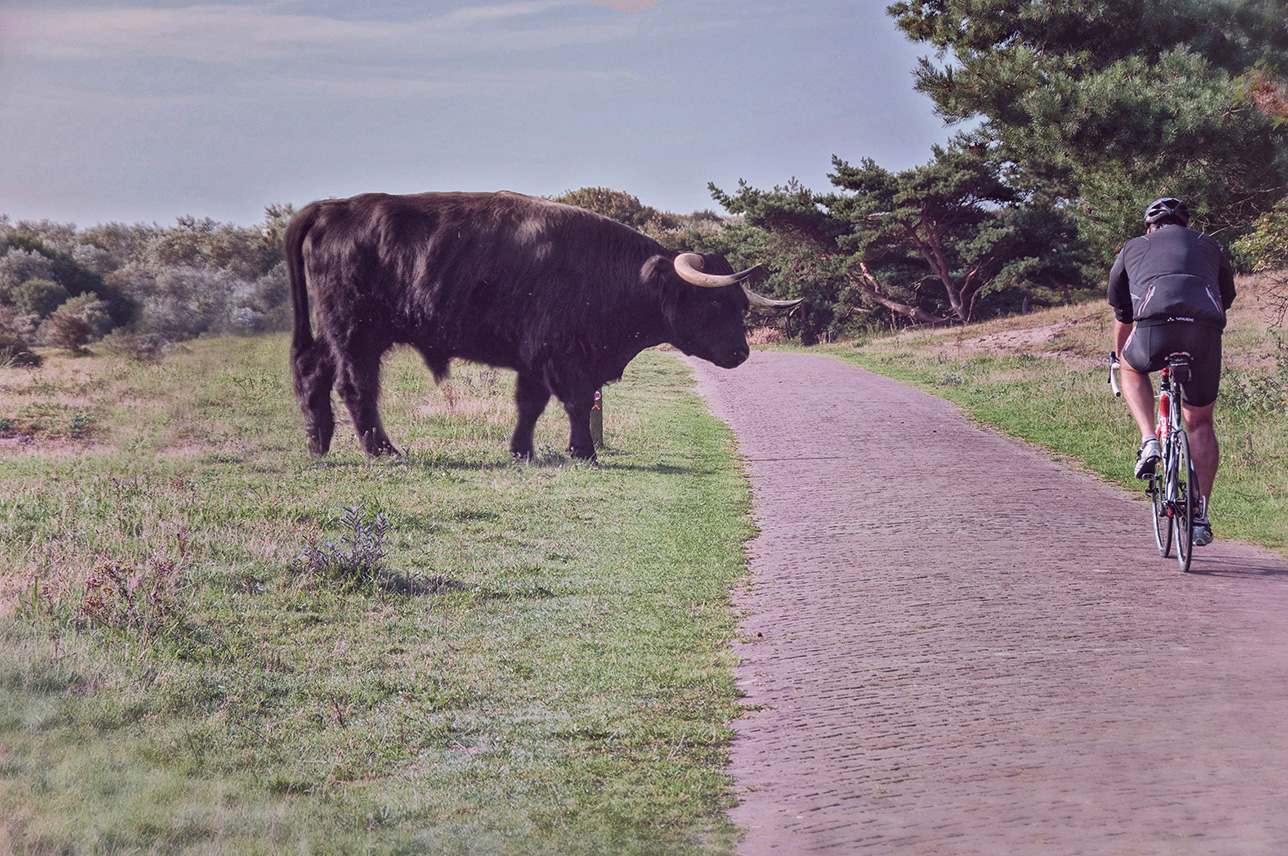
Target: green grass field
<point>210,643</point>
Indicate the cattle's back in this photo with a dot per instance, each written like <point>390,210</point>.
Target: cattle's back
<point>479,275</point>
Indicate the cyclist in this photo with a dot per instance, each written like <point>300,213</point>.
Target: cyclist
<point>1170,289</point>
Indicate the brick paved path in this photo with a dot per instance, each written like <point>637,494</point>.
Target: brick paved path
<point>959,646</point>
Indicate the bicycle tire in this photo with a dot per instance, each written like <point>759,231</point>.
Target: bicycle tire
<point>1185,502</point>
<point>1158,510</point>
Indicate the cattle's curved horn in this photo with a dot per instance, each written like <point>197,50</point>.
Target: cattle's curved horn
<point>766,303</point>
<point>689,267</point>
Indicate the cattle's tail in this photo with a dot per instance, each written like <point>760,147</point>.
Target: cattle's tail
<point>312,366</point>
<point>295,234</point>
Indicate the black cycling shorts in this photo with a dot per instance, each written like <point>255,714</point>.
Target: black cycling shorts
<point>1149,347</point>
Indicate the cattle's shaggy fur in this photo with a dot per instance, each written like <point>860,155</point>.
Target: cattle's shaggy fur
<point>563,296</point>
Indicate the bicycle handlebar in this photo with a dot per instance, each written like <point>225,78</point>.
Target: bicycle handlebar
<point>1113,377</point>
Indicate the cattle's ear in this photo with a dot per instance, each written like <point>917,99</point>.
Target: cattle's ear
<point>657,272</point>
<point>658,278</point>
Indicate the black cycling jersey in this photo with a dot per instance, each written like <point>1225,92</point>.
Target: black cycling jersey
<point>1172,275</point>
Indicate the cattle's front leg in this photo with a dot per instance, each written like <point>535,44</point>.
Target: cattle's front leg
<point>530,397</point>
<point>580,443</point>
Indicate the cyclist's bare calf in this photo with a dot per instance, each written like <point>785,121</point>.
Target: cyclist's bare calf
<point>1204,450</point>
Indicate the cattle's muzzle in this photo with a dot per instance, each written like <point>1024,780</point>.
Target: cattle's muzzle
<point>735,357</point>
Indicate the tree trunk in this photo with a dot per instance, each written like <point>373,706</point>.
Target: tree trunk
<point>870,286</point>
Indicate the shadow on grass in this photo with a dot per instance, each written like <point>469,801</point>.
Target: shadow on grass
<point>419,585</point>
<point>546,462</point>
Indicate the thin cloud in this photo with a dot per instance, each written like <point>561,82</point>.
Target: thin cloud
<point>392,87</point>
<point>229,34</point>
<point>627,5</point>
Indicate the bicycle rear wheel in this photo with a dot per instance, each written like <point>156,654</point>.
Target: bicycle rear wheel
<point>1185,502</point>
<point>1158,510</point>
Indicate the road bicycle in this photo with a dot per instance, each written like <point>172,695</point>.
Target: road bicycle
<point>1173,489</point>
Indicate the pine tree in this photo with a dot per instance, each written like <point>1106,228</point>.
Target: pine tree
<point>937,243</point>
<point>1107,104</point>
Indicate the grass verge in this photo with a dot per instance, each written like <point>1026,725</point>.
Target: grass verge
<point>1042,377</point>
<point>210,643</point>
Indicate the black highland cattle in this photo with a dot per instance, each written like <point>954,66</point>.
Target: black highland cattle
<point>561,295</point>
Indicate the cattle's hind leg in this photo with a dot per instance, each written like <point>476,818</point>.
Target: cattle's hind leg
<point>358,383</point>
<point>531,397</point>
<point>313,372</point>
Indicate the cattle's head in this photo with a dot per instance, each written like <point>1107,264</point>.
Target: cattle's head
<point>704,302</point>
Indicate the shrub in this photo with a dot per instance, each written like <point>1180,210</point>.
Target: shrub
<point>357,561</point>
<point>765,336</point>
<point>68,332</point>
<point>93,311</point>
<point>142,347</point>
<point>16,353</point>
<point>38,297</point>
<point>144,600</point>
<point>20,265</point>
<point>15,348</point>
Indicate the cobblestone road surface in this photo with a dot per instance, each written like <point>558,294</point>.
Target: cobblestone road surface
<point>956,645</point>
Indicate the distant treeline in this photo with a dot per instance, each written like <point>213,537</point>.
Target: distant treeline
<point>142,287</point>
<point>147,284</point>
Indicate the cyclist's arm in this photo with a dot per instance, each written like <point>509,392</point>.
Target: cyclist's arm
<point>1119,292</point>
<point>1225,280</point>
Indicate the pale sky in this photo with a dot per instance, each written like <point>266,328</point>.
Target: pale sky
<point>147,110</point>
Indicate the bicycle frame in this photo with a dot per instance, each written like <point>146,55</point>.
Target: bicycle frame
<point>1173,488</point>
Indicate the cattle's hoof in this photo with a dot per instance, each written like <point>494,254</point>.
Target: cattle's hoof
<point>319,440</point>
<point>583,456</point>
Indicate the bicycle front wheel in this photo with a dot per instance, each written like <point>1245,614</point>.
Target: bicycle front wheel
<point>1158,510</point>
<point>1185,502</point>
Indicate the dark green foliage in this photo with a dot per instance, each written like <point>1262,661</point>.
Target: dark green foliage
<point>62,268</point>
<point>1265,247</point>
<point>617,205</point>
<point>90,310</point>
<point>1107,104</point>
<point>797,238</point>
<point>940,242</point>
<point>38,297</point>
<point>1265,250</point>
